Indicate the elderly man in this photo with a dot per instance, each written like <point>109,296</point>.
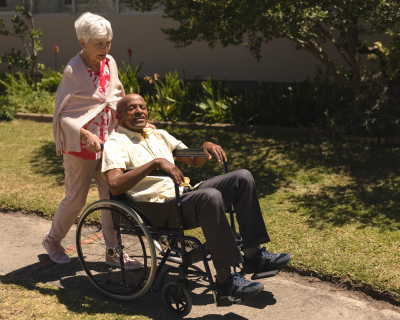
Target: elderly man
<point>133,146</point>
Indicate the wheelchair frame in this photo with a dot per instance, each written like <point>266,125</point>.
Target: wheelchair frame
<point>168,231</point>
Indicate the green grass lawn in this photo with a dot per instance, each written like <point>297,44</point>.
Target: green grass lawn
<point>333,205</point>
<point>21,299</point>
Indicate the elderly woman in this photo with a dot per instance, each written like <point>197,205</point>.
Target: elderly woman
<point>85,115</point>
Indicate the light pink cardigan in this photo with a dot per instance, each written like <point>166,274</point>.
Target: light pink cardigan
<point>78,101</point>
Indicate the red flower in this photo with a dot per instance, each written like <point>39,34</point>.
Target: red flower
<point>9,68</point>
<point>56,50</point>
<point>129,52</point>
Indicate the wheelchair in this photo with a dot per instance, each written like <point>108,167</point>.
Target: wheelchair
<point>135,227</point>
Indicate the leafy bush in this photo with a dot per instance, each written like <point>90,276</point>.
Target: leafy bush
<point>302,104</point>
<point>321,103</point>
<point>21,92</point>
<point>173,100</point>
<point>215,105</point>
<point>376,112</point>
<point>2,86</point>
<point>8,108</point>
<point>333,101</point>
<point>170,97</point>
<point>130,79</point>
<point>50,80</point>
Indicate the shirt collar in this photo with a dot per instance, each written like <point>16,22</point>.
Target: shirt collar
<point>132,134</point>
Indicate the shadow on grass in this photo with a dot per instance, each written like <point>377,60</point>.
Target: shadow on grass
<point>243,152</point>
<point>44,161</point>
<point>74,301</point>
<point>369,196</point>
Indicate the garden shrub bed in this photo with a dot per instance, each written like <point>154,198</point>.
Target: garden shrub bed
<point>302,104</point>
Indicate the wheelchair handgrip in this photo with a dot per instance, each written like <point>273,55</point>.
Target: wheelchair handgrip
<point>195,152</point>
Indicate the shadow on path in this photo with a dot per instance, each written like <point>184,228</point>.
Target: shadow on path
<point>71,276</point>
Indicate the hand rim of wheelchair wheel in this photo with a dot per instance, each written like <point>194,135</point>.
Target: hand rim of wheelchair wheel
<point>183,306</point>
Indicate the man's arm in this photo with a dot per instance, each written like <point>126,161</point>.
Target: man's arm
<point>208,148</point>
<point>120,182</point>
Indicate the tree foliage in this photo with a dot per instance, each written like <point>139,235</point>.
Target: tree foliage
<point>346,24</point>
<point>23,28</point>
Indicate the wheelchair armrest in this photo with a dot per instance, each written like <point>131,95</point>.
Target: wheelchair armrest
<point>194,152</point>
<point>191,152</point>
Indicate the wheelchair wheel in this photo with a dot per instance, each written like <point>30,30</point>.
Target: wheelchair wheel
<point>118,254</point>
<point>178,307</point>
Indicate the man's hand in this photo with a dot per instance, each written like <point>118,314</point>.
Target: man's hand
<point>211,148</point>
<point>91,141</point>
<point>120,182</point>
<point>171,169</point>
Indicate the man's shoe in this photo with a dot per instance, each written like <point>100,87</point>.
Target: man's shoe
<point>129,264</point>
<point>238,287</point>
<point>55,251</point>
<point>266,261</point>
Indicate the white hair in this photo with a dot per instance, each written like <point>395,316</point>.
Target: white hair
<point>92,26</point>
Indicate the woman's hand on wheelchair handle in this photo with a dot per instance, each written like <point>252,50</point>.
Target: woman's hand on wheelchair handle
<point>92,142</point>
<point>212,148</point>
<point>172,170</point>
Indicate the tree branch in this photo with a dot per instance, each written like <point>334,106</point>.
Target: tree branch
<point>317,51</point>
<point>26,47</point>
<point>351,42</point>
<point>321,55</point>
<point>331,38</point>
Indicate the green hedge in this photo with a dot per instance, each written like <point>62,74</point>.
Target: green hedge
<point>302,104</point>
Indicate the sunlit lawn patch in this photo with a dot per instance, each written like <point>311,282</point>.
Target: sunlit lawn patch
<point>20,299</point>
<point>333,205</point>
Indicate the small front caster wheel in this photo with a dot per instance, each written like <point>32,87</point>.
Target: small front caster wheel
<point>179,306</point>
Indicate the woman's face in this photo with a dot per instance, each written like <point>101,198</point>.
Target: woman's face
<point>96,49</point>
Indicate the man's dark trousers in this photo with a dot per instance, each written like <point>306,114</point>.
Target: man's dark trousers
<point>205,208</point>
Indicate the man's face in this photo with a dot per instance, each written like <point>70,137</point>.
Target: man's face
<point>134,114</point>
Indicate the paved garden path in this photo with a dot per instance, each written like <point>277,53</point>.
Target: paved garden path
<point>287,296</point>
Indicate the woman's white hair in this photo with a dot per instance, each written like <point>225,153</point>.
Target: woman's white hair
<point>92,26</point>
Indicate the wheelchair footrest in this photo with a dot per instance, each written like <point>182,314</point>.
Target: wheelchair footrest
<point>262,275</point>
<point>226,301</point>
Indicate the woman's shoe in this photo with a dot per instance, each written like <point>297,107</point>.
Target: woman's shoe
<point>129,264</point>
